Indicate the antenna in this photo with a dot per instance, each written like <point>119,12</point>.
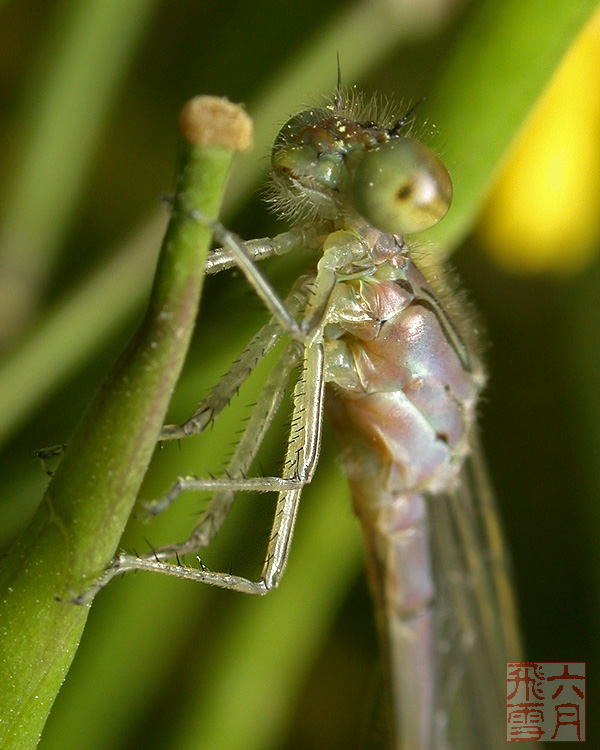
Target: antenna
<point>405,118</point>
<point>338,92</point>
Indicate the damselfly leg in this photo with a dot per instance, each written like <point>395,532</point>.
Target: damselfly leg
<point>300,461</point>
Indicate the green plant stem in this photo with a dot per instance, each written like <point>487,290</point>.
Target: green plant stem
<point>77,528</point>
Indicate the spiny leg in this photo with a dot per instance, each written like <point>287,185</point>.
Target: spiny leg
<point>301,456</point>
<point>236,480</point>
<point>301,459</point>
<point>243,259</point>
<point>324,283</point>
<point>262,343</point>
<point>213,517</point>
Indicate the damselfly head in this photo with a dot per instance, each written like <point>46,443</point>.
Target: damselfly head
<point>325,163</point>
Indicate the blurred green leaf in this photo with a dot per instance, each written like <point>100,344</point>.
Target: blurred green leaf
<point>76,327</point>
<point>505,54</point>
<point>73,84</point>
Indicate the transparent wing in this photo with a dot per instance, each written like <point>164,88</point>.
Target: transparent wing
<point>476,620</point>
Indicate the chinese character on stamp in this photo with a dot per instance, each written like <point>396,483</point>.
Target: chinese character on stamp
<point>545,701</point>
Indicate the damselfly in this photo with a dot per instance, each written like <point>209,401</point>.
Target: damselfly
<point>382,346</point>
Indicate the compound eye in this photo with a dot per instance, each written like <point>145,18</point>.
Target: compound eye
<point>291,131</point>
<point>401,187</point>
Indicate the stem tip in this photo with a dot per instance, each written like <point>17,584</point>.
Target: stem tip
<point>215,121</point>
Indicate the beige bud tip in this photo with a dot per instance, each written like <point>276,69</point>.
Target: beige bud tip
<point>214,121</point>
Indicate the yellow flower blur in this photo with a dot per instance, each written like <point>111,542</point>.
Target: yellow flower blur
<point>543,212</point>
